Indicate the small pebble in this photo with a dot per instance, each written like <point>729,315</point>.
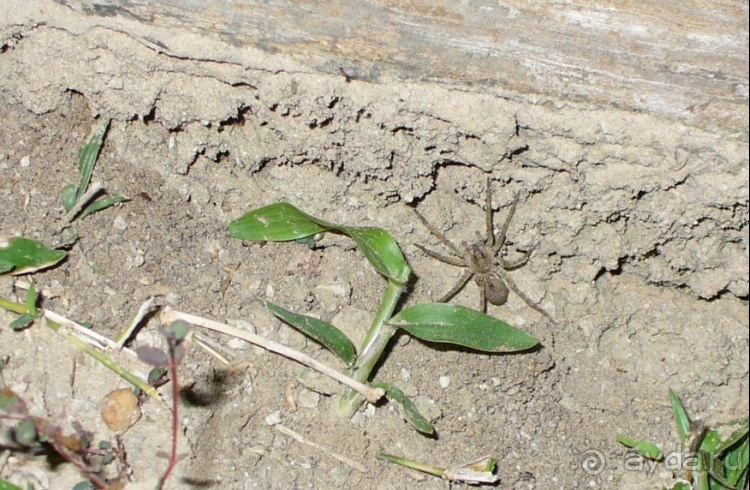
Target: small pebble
<point>120,410</point>
<point>308,399</point>
<point>238,344</point>
<point>120,224</point>
<point>274,418</point>
<point>26,161</point>
<point>445,381</point>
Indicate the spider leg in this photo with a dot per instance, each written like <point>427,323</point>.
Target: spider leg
<point>483,299</point>
<point>509,266</point>
<point>442,258</point>
<point>468,274</point>
<point>512,286</point>
<point>488,217</point>
<point>500,239</point>
<point>439,235</point>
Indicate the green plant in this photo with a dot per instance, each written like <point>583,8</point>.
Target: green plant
<point>431,322</point>
<point>79,199</point>
<point>711,461</point>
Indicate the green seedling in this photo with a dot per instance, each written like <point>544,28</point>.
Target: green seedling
<point>32,312</point>
<point>82,338</point>
<point>79,200</point>
<point>41,436</point>
<point>176,334</point>
<point>20,255</point>
<point>711,461</point>
<point>481,471</point>
<point>432,322</point>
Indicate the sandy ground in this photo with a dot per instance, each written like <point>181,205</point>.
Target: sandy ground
<point>642,226</point>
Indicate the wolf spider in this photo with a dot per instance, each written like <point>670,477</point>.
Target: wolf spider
<point>490,273</point>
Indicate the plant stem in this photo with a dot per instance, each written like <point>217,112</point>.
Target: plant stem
<point>173,362</point>
<point>168,315</point>
<point>415,465</point>
<point>373,346</point>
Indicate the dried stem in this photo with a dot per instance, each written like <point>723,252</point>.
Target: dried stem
<point>372,395</point>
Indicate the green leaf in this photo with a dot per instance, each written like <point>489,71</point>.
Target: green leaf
<point>21,322</point>
<point>735,456</point>
<point>6,266</point>
<point>408,409</point>
<point>10,402</point>
<point>25,433</point>
<point>323,332</point>
<point>381,251</point>
<point>69,194</point>
<point>735,437</point>
<point>736,464</point>
<point>156,375</point>
<point>103,203</point>
<point>177,331</point>
<point>644,448</point>
<point>6,485</point>
<point>453,324</point>
<point>680,417</point>
<point>284,222</point>
<point>710,442</point>
<point>278,222</point>
<point>84,485</point>
<point>88,156</point>
<point>26,255</point>
<point>31,299</point>
<point>682,485</point>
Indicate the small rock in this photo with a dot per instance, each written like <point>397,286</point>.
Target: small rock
<point>428,408</point>
<point>274,418</point>
<point>243,325</point>
<point>139,259</point>
<point>120,224</point>
<point>25,161</point>
<point>238,344</point>
<point>445,381</point>
<point>120,410</point>
<point>308,399</point>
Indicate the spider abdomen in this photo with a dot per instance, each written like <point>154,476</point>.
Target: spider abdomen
<point>495,289</point>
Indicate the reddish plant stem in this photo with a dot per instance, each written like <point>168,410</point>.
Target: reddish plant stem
<point>175,416</point>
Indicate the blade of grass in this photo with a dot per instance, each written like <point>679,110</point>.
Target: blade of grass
<point>680,416</point>
<point>414,465</point>
<point>103,203</point>
<point>88,156</point>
